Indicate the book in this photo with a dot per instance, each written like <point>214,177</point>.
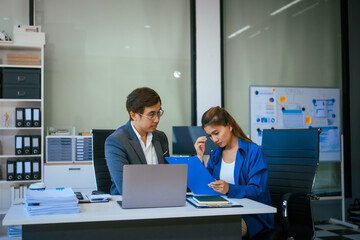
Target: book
<point>210,199</point>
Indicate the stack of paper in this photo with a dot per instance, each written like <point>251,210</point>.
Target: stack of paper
<point>51,201</point>
<point>14,231</point>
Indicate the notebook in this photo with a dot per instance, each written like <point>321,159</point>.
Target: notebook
<point>147,186</point>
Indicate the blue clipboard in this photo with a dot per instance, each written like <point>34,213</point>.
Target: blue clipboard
<point>198,176</point>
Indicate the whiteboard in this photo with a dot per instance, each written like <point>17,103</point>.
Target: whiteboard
<point>298,107</point>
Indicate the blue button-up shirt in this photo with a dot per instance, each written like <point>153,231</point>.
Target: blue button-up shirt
<point>250,176</point>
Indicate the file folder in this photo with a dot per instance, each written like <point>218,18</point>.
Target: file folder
<point>27,144</point>
<point>19,116</point>
<point>35,144</point>
<point>198,176</point>
<point>10,170</point>
<point>27,169</point>
<point>36,117</point>
<point>28,117</point>
<point>19,170</point>
<point>35,169</point>
<point>18,145</point>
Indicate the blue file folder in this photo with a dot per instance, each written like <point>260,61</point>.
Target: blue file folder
<point>198,176</point>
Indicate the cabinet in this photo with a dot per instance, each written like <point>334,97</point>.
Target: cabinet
<point>22,66</point>
<point>78,176</point>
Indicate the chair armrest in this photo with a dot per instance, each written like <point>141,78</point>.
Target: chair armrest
<point>286,199</point>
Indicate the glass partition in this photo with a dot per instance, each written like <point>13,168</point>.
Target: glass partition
<point>97,52</point>
<point>281,43</point>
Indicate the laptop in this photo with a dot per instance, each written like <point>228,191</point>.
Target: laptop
<point>149,186</point>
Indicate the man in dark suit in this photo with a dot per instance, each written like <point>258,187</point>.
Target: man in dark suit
<point>138,141</point>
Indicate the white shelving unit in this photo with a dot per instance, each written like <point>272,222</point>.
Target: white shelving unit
<point>8,132</point>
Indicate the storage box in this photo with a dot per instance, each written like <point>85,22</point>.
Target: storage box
<point>29,35</point>
<point>23,59</point>
<point>21,83</point>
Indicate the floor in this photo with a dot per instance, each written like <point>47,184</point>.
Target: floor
<point>327,231</point>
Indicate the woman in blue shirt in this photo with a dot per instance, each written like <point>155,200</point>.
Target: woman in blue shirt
<point>239,166</point>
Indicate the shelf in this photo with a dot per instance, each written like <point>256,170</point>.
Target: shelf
<point>20,156</point>
<point>19,66</point>
<point>20,128</point>
<point>21,181</point>
<point>69,163</point>
<point>19,100</point>
<point>12,45</point>
<point>7,146</point>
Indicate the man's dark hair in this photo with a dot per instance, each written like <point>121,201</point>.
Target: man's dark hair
<point>140,98</point>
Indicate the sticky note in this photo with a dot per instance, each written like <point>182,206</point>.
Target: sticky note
<point>282,99</point>
<point>308,120</point>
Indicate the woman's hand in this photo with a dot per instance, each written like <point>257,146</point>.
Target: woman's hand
<point>200,147</point>
<point>220,186</point>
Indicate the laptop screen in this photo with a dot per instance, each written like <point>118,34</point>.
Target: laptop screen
<point>161,185</point>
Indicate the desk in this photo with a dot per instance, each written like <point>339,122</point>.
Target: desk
<point>109,220</point>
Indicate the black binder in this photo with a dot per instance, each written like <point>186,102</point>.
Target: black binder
<point>27,145</point>
<point>10,170</point>
<point>35,144</point>
<point>27,170</point>
<point>19,145</point>
<point>28,117</point>
<point>19,116</point>
<point>36,117</point>
<point>35,169</point>
<point>19,170</point>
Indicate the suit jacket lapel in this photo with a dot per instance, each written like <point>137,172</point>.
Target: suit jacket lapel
<point>158,148</point>
<point>135,143</point>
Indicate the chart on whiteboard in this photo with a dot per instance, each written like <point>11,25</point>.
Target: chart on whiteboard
<point>298,107</point>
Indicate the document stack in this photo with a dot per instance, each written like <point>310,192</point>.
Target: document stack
<point>14,231</point>
<point>51,201</point>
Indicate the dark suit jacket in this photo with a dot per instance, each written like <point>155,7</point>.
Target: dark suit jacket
<point>123,147</point>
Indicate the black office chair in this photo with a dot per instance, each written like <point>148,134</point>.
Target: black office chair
<point>102,174</point>
<point>292,156</point>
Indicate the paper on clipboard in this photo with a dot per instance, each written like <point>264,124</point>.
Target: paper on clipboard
<point>198,176</point>
<point>199,205</point>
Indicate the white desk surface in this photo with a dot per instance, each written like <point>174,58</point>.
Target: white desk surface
<point>111,211</point>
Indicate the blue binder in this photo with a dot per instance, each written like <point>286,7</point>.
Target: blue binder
<point>198,176</point>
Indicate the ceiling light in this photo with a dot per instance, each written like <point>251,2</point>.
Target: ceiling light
<point>239,31</point>
<point>284,7</point>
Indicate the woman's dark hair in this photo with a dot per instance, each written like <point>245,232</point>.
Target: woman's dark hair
<point>219,116</point>
<point>140,98</point>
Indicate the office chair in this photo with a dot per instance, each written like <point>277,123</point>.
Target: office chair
<point>292,157</point>
<point>102,174</point>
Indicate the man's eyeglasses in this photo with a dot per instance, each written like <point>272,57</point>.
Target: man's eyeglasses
<point>152,116</point>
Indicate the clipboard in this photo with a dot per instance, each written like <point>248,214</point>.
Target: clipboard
<point>198,176</point>
<point>225,205</point>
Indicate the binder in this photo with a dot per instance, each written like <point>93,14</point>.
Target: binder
<point>19,170</point>
<point>35,144</point>
<point>28,117</point>
<point>36,117</point>
<point>19,116</point>
<point>35,169</point>
<point>27,169</point>
<point>10,170</point>
<point>27,145</point>
<point>18,145</point>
